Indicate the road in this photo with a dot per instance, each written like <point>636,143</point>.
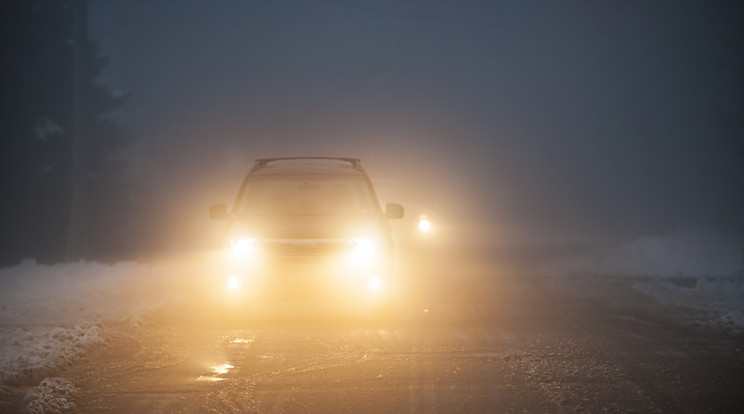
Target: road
<point>501,346</point>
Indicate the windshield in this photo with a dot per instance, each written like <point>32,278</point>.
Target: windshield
<point>302,195</point>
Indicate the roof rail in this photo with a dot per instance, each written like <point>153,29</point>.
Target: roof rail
<point>263,162</point>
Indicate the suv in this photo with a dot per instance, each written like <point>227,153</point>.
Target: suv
<point>308,228</point>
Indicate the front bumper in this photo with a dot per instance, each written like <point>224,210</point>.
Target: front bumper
<point>304,270</point>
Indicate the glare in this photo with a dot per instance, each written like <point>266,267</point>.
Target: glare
<point>234,283</point>
<point>243,247</point>
<point>217,370</point>
<point>374,283</point>
<point>222,369</point>
<point>424,224</point>
<point>363,248</point>
<point>209,378</point>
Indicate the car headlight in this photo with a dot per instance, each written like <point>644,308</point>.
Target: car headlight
<point>363,247</point>
<point>424,224</point>
<point>243,247</point>
<point>362,250</point>
<point>374,283</point>
<point>234,283</point>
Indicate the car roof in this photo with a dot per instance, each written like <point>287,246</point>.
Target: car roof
<point>307,165</point>
<point>304,170</point>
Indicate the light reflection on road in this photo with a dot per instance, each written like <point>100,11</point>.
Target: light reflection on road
<point>218,371</point>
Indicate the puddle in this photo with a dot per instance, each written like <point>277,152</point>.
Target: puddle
<point>217,373</point>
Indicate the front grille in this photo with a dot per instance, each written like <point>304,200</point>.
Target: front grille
<point>304,247</point>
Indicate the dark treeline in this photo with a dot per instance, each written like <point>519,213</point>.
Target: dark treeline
<point>62,195</point>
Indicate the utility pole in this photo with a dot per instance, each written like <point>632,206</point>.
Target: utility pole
<point>76,229</point>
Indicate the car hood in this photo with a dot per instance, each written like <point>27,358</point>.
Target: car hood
<point>306,227</point>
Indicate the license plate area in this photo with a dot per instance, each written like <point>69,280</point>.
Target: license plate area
<point>301,271</point>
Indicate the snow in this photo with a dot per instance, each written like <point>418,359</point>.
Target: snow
<point>53,395</point>
<point>30,352</point>
<point>64,294</point>
<point>693,252</point>
<point>696,274</point>
<point>716,303</point>
<point>52,316</point>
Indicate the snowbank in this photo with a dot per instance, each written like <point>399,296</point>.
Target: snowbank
<point>28,353</point>
<point>696,271</point>
<point>53,395</point>
<point>714,302</point>
<point>53,315</point>
<point>690,252</point>
<point>65,294</point>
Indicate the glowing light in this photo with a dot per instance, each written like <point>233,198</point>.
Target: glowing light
<point>222,369</point>
<point>234,283</point>
<point>374,283</point>
<point>217,370</point>
<point>363,248</point>
<point>209,378</point>
<point>243,247</point>
<point>424,224</point>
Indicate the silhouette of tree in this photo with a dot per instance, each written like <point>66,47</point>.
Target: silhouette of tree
<point>44,112</point>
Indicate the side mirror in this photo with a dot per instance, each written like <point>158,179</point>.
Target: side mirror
<point>393,211</point>
<point>219,212</point>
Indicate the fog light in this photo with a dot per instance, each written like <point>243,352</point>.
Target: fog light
<point>234,283</point>
<point>374,283</point>
<point>424,224</point>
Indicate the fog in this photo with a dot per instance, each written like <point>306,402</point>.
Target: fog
<point>576,124</point>
<point>534,120</point>
<point>581,165</point>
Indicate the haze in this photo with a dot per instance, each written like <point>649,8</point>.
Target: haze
<point>535,120</point>
<point>571,174</point>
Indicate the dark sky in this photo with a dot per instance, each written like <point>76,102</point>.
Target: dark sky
<point>540,118</point>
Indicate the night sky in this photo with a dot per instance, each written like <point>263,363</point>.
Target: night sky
<point>539,119</point>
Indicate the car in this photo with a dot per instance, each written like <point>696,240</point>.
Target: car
<point>308,229</point>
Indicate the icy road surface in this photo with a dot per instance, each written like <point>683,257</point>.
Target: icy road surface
<point>526,349</point>
<point>643,332</point>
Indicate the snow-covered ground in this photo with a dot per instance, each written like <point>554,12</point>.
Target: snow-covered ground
<point>696,273</point>
<point>51,316</point>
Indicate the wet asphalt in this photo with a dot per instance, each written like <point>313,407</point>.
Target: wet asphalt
<point>478,346</point>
